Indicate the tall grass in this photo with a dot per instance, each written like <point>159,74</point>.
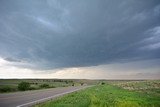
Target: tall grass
<point>105,96</point>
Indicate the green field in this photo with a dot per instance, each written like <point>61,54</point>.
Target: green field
<point>112,94</point>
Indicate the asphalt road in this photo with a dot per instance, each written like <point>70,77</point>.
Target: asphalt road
<point>28,98</point>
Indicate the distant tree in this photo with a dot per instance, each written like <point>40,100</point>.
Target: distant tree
<point>73,84</point>
<point>82,84</point>
<point>6,89</point>
<point>71,81</point>
<point>24,86</point>
<point>102,83</point>
<point>44,86</point>
<point>66,82</point>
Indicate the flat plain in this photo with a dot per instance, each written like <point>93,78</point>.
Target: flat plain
<point>112,94</point>
<point>103,93</point>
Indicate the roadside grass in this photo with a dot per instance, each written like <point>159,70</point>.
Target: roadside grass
<point>4,89</point>
<point>105,96</point>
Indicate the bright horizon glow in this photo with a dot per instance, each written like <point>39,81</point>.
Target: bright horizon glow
<point>111,71</point>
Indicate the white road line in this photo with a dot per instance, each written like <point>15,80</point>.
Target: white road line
<point>47,98</point>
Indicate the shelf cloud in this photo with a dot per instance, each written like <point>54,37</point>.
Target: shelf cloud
<point>54,34</point>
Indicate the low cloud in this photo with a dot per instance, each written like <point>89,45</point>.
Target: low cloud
<point>131,70</point>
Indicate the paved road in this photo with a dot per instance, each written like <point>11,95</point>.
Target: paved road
<point>28,98</point>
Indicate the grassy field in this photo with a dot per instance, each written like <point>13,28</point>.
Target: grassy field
<point>11,85</point>
<point>112,94</point>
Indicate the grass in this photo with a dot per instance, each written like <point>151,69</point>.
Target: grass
<point>105,96</point>
<point>8,89</point>
<point>148,87</point>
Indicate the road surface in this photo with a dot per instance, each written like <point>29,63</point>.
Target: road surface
<point>28,98</point>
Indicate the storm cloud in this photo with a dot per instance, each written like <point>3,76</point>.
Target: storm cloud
<point>51,34</point>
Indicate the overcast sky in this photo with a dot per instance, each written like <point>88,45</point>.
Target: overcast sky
<point>109,39</point>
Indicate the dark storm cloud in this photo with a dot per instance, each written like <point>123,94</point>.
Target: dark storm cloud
<point>71,33</point>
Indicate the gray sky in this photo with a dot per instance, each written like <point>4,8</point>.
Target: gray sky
<point>44,36</point>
